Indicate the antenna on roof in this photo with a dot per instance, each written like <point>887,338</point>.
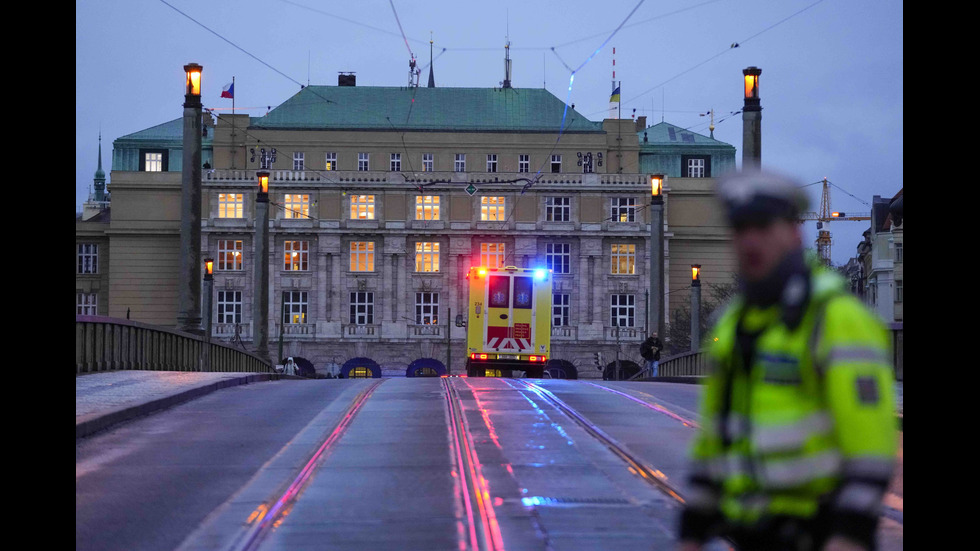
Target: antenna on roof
<point>507,55</point>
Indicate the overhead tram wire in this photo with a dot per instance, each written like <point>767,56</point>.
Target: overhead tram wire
<point>243,50</point>
<point>733,46</point>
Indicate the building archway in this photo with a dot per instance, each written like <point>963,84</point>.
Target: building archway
<point>561,369</point>
<point>360,368</point>
<point>426,367</point>
<point>627,369</point>
<point>304,367</point>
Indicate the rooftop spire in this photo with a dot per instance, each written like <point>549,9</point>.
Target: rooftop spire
<point>432,78</point>
<point>99,180</point>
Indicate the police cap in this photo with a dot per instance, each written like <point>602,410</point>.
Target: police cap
<point>760,197</point>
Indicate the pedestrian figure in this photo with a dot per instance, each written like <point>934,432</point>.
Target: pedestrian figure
<point>650,351</point>
<point>798,437</point>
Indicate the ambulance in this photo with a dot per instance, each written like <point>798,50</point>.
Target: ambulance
<point>509,321</point>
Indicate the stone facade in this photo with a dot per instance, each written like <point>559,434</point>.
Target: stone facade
<point>372,230</point>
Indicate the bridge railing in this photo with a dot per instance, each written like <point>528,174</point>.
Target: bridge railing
<point>694,364</point>
<point>108,344</point>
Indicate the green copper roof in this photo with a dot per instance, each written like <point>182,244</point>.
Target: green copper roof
<point>667,134</point>
<point>172,131</point>
<point>425,109</point>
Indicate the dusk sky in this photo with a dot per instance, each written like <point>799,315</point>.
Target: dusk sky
<point>831,84</point>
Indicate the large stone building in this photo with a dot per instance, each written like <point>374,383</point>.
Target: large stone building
<point>382,198</point>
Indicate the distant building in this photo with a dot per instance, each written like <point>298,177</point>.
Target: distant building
<point>877,272</point>
<point>382,198</point>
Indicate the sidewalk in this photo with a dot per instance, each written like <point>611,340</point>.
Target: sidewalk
<point>104,399</point>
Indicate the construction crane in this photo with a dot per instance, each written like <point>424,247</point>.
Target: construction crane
<point>825,216</point>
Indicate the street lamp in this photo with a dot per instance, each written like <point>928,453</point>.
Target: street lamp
<point>193,72</point>
<point>260,306</point>
<point>655,314</point>
<point>695,307</point>
<point>189,292</point>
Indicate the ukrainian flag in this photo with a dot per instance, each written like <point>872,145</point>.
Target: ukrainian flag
<point>614,98</point>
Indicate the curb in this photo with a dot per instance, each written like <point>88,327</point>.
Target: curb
<point>87,425</point>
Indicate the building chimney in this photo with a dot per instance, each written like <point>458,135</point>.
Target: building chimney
<point>346,79</point>
<point>641,123</point>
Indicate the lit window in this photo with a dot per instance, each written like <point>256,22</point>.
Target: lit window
<point>560,309</point>
<point>362,207</point>
<point>556,163</point>
<point>558,209</point>
<point>492,255</point>
<point>231,205</point>
<point>427,162</point>
<point>492,208</point>
<point>623,209</point>
<point>460,164</point>
<point>396,162</point>
<point>427,207</point>
<point>331,162</point>
<point>296,256</point>
<point>362,256</point>
<point>88,258</point>
<point>299,162</point>
<point>294,307</point>
<point>230,254</point>
<point>622,309</point>
<point>296,205</point>
<point>363,162</point>
<point>153,162</point>
<point>491,163</point>
<point>427,308</point>
<point>623,259</point>
<point>362,308</point>
<point>558,257</point>
<point>426,257</point>
<point>524,163</point>
<point>86,304</point>
<point>229,307</point>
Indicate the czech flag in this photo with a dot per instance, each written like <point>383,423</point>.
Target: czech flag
<point>228,91</point>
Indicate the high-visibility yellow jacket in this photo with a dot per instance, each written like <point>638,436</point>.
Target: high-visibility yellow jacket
<point>808,426</point>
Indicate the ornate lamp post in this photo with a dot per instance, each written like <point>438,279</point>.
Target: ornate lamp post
<point>189,286</point>
<point>655,314</point>
<point>208,308</point>
<point>751,121</point>
<point>695,307</point>
<point>260,306</point>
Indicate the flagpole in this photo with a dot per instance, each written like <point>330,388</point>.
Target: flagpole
<point>233,123</point>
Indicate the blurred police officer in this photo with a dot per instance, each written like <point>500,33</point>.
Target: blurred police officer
<point>798,436</point>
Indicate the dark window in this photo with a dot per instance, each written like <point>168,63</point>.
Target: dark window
<point>523,292</point>
<point>499,292</point>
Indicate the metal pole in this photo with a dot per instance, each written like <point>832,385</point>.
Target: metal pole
<point>260,307</point>
<point>208,304</point>
<point>449,347</point>
<point>656,311</point>
<point>189,286</point>
<point>695,314</point>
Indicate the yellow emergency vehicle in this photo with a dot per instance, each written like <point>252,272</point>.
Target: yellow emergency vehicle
<point>509,322</point>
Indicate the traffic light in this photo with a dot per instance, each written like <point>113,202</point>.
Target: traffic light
<point>597,356</point>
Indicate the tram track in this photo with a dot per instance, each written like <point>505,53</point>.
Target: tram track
<point>266,518</point>
<point>482,531</point>
<point>651,475</point>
